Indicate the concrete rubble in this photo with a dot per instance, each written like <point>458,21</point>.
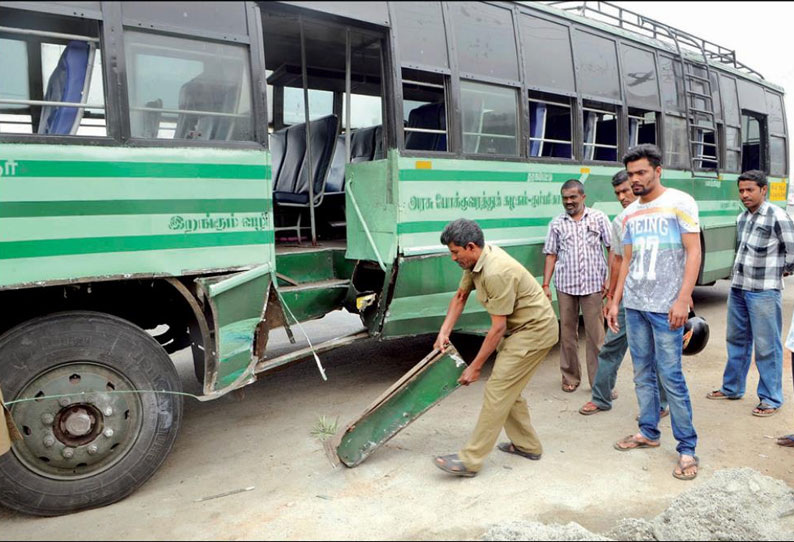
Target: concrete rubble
<point>734,504</point>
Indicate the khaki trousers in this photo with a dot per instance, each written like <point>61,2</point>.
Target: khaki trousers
<point>569,335</point>
<point>503,406</point>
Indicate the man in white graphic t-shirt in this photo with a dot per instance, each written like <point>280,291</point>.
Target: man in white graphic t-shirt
<point>660,267</point>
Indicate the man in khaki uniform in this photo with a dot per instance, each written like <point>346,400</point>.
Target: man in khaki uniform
<point>523,330</point>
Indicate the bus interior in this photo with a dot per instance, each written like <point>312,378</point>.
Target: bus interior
<point>314,167</point>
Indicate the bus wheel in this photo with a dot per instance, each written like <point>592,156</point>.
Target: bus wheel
<point>98,439</point>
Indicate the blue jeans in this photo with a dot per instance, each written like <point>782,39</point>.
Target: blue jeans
<point>609,359</point>
<point>656,350</point>
<point>755,319</point>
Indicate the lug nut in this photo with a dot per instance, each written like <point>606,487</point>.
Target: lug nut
<point>92,450</point>
<point>63,401</point>
<point>108,433</point>
<point>68,453</point>
<point>47,419</point>
<point>49,440</point>
<point>108,411</point>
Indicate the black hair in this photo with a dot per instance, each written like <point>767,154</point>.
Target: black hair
<point>462,232</point>
<point>620,177</point>
<point>646,150</point>
<point>573,183</point>
<point>754,175</point>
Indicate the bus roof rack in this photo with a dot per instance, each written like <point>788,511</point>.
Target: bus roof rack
<point>623,18</point>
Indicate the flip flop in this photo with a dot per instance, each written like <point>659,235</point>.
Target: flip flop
<point>764,410</point>
<point>713,395</point>
<point>630,439</point>
<point>453,465</point>
<point>786,441</point>
<point>683,466</point>
<point>569,388</point>
<point>594,409</point>
<point>509,447</point>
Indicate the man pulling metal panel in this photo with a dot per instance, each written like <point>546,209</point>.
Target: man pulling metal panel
<point>523,330</point>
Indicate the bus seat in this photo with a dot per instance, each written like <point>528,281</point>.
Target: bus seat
<point>284,184</point>
<point>429,116</point>
<point>205,93</point>
<point>66,84</point>
<point>292,184</point>
<point>380,152</point>
<point>362,145</point>
<point>335,183</point>
<point>278,146</point>
<point>151,119</point>
<point>323,134</point>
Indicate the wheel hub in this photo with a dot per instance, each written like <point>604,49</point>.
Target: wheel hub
<point>77,424</point>
<point>82,433</point>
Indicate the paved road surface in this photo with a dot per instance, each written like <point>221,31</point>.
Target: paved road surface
<point>263,440</point>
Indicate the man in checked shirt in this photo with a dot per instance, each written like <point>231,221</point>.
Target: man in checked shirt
<point>764,255</point>
<point>575,255</point>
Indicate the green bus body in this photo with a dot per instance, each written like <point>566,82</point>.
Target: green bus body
<point>167,214</point>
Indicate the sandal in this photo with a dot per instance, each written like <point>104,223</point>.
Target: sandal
<point>509,447</point>
<point>591,408</point>
<point>632,443</point>
<point>569,388</point>
<point>786,440</point>
<point>764,410</point>
<point>453,465</point>
<point>684,466</point>
<point>717,394</point>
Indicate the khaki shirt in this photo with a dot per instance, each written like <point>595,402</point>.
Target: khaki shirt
<point>8,431</point>
<point>506,288</point>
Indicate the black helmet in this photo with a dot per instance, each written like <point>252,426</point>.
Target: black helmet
<point>696,335</point>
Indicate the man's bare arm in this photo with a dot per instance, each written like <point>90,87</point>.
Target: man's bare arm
<point>548,270</point>
<point>495,334</point>
<point>453,313</point>
<point>680,309</point>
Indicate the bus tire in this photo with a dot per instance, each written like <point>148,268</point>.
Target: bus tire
<point>101,439</point>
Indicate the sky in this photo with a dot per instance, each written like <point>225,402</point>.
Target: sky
<point>759,32</point>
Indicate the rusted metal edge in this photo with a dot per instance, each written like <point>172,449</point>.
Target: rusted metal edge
<point>304,353</point>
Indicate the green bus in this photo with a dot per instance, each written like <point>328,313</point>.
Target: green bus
<point>193,175</point>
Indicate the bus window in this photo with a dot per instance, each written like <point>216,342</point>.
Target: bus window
<point>321,104</point>
<point>14,118</point>
<point>676,143</point>
<point>730,100</point>
<point>597,65</point>
<point>365,111</point>
<point>92,122</point>
<point>639,76</point>
<point>554,68</point>
<point>550,126</point>
<point>58,90</point>
<point>777,156</point>
<point>485,40</point>
<point>600,125</point>
<point>672,84</point>
<point>752,149</point>
<point>490,115</point>
<point>733,149</point>
<point>187,89</point>
<point>705,149</point>
<point>642,127</point>
<point>424,111</point>
<point>421,34</point>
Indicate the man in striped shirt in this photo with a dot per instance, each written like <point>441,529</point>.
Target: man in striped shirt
<point>764,254</point>
<point>575,255</point>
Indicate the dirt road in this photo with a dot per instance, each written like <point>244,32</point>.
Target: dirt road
<point>263,441</point>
